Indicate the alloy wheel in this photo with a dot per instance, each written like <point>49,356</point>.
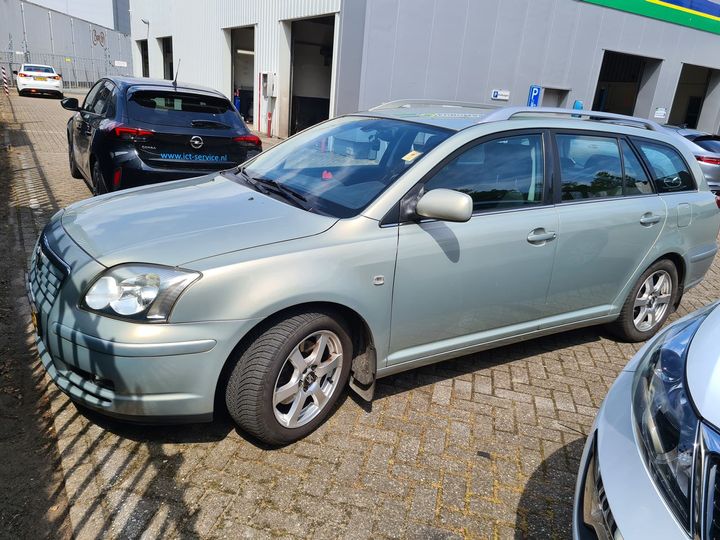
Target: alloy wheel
<point>652,301</point>
<point>307,379</point>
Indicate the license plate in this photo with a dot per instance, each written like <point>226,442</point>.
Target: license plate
<point>41,78</point>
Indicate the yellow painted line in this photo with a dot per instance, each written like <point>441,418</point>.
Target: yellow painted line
<point>686,10</point>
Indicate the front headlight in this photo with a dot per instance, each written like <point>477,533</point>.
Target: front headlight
<point>138,292</point>
<point>665,420</point>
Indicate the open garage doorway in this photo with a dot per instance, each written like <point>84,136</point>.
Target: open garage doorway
<point>243,71</point>
<point>690,95</point>
<point>623,78</point>
<point>311,52</point>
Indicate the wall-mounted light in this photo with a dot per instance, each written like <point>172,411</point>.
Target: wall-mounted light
<point>244,51</point>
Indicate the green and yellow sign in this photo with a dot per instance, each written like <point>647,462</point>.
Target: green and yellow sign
<point>700,14</point>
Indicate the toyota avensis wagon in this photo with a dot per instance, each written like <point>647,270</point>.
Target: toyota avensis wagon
<point>366,245</point>
<point>651,465</point>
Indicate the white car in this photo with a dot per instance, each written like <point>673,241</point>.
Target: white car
<point>38,79</point>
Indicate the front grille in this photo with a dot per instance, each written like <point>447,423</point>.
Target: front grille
<point>597,515</point>
<point>608,520</point>
<point>47,273</point>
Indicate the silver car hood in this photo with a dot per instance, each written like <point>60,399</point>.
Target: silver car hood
<point>178,222</point>
<point>703,368</point>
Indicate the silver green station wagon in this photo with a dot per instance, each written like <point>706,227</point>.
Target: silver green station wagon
<point>369,244</point>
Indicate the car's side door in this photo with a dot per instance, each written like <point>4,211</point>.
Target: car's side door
<point>610,218</point>
<point>461,284</point>
<point>87,120</point>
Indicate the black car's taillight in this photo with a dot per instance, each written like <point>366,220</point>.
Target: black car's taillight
<point>131,133</point>
<point>250,139</point>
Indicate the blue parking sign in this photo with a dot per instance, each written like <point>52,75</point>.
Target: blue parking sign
<point>534,96</point>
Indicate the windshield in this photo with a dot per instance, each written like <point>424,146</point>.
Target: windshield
<point>183,109</point>
<point>39,69</point>
<point>341,166</point>
<point>709,143</point>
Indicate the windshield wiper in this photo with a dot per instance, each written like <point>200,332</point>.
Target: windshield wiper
<point>209,124</point>
<point>287,193</point>
<point>265,186</point>
<point>251,181</point>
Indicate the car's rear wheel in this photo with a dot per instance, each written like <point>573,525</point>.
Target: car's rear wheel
<point>74,171</point>
<point>286,382</point>
<point>98,181</point>
<point>649,304</point>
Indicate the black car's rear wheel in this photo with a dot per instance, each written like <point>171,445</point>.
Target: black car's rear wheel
<point>99,186</point>
<point>74,171</point>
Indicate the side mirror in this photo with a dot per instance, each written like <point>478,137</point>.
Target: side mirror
<point>71,104</point>
<point>445,205</point>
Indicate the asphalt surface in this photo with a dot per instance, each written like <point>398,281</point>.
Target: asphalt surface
<point>484,446</point>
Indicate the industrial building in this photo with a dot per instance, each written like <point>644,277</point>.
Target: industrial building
<point>80,50</point>
<point>292,64</point>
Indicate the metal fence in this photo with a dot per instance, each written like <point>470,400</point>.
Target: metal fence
<point>77,72</point>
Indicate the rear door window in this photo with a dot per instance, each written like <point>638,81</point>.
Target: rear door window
<point>183,109</point>
<point>590,167</point>
<point>636,180</point>
<point>669,170</point>
<point>502,173</point>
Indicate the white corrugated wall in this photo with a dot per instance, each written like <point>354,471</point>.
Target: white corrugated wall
<point>201,44</point>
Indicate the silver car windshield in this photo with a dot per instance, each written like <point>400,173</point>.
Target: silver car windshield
<point>339,167</point>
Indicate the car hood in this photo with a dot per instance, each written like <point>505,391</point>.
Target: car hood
<point>703,368</point>
<point>178,222</point>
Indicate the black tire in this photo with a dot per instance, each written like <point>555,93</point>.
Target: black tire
<point>252,382</point>
<point>74,171</point>
<point>99,186</point>
<point>624,327</point>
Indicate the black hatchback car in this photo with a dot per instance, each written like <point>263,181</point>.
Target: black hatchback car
<point>131,132</point>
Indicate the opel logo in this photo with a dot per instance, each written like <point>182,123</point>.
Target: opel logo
<point>196,142</point>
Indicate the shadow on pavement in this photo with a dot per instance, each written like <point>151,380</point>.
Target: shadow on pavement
<point>546,504</point>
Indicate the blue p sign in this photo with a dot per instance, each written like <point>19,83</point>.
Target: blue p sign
<point>534,96</point>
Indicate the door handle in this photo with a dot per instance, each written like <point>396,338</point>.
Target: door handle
<point>540,236</point>
<point>650,219</point>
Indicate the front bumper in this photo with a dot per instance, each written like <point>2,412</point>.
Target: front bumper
<point>630,506</point>
<point>143,372</point>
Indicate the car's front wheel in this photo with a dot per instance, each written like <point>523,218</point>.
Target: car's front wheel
<point>284,384</point>
<point>649,304</point>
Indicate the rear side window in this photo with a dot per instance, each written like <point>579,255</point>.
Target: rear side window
<point>183,109</point>
<point>498,174</point>
<point>590,167</point>
<point>668,168</point>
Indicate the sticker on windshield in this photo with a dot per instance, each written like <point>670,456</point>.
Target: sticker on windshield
<point>412,155</point>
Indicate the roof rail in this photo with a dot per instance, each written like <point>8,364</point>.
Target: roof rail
<point>508,112</point>
<point>398,103</point>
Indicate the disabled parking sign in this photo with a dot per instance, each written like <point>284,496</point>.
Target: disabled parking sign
<point>534,96</point>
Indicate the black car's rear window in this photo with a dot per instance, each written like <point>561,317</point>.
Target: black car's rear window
<point>183,109</point>
<point>39,69</point>
<point>710,143</point>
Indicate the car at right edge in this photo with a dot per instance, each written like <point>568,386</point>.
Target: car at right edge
<point>706,148</point>
<point>651,464</point>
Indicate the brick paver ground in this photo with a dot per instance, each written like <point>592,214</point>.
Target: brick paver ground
<point>484,446</point>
